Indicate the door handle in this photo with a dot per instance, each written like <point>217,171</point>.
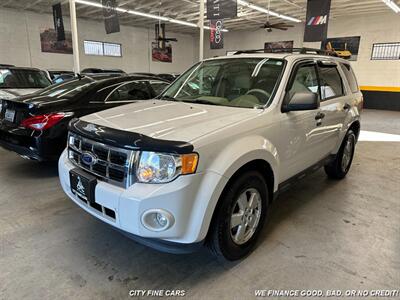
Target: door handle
<point>346,107</point>
<point>319,116</point>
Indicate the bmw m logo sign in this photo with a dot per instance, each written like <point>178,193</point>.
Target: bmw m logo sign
<point>318,20</point>
<point>88,159</point>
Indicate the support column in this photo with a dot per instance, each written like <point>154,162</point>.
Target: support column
<point>201,26</point>
<point>74,31</point>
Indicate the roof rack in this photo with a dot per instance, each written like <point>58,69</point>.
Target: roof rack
<point>287,50</point>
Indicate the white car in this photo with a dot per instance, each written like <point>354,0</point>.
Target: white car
<point>201,164</point>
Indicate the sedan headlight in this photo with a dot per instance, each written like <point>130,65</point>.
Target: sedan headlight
<point>154,167</point>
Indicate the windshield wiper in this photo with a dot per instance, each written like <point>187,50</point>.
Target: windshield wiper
<point>167,97</point>
<point>202,101</point>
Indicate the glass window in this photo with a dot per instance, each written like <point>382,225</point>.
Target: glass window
<point>351,78</point>
<point>67,89</point>
<point>158,86</point>
<point>20,78</point>
<point>102,48</point>
<point>240,82</point>
<point>331,83</point>
<point>130,91</point>
<point>304,81</point>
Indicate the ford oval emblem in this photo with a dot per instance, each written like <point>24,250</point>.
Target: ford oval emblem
<point>88,159</point>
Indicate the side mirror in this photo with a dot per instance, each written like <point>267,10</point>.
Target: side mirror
<point>302,101</point>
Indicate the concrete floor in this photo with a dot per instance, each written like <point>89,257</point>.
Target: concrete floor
<point>323,235</point>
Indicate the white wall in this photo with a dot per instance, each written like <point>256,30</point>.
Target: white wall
<point>20,45</point>
<point>372,29</point>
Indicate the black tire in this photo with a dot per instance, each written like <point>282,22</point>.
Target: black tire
<point>220,240</point>
<point>336,169</point>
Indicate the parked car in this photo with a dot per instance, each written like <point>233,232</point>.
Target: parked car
<point>98,70</point>
<point>17,81</point>
<point>58,76</point>
<point>35,126</point>
<point>201,164</point>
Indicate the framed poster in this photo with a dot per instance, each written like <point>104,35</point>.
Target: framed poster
<point>344,47</point>
<point>160,54</point>
<point>50,44</point>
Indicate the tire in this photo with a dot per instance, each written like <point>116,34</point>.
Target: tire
<point>235,242</point>
<point>340,166</point>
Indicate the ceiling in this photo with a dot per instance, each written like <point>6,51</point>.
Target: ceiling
<point>188,10</point>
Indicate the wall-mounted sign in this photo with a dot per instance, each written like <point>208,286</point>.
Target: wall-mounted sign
<point>317,20</point>
<point>58,22</point>
<point>216,34</point>
<point>111,21</point>
<point>221,9</point>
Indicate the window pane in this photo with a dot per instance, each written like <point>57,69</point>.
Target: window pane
<point>350,78</point>
<point>305,81</point>
<point>93,48</point>
<point>130,91</point>
<point>331,83</point>
<point>112,49</point>
<point>159,87</point>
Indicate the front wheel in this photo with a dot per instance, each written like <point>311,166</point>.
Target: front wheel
<point>339,168</point>
<point>239,217</point>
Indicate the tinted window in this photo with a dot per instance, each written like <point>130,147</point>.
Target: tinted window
<point>304,81</point>
<point>67,89</point>
<point>130,91</point>
<point>331,83</point>
<point>351,78</point>
<point>158,87</point>
<point>14,78</point>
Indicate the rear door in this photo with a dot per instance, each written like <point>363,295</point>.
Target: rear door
<point>334,105</point>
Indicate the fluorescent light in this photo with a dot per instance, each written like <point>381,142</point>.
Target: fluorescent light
<point>269,12</point>
<point>392,5</point>
<point>146,15</point>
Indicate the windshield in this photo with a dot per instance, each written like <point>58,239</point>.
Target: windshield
<point>238,82</point>
<point>22,79</point>
<point>67,89</point>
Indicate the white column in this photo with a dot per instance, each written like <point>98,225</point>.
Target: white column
<point>74,31</point>
<point>201,26</point>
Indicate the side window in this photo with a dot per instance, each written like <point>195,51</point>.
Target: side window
<point>351,78</point>
<point>158,87</point>
<point>305,80</point>
<point>130,91</point>
<point>331,83</point>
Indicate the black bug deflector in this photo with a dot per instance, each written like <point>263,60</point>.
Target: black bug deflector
<point>126,139</point>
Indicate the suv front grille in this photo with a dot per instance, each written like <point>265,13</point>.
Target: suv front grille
<point>111,164</point>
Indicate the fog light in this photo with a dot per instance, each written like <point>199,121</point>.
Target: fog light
<point>157,219</point>
<point>161,219</point>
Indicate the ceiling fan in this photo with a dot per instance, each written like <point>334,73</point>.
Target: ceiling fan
<point>268,26</point>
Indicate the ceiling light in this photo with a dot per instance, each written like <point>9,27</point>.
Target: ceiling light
<point>146,15</point>
<point>392,5</point>
<point>269,12</point>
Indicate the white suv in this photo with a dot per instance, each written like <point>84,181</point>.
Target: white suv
<point>202,163</point>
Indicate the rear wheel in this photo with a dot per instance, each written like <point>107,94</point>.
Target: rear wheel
<point>339,168</point>
<point>239,217</point>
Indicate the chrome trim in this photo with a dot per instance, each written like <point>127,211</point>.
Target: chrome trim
<point>127,167</point>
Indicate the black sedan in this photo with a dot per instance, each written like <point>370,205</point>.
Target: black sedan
<point>35,126</point>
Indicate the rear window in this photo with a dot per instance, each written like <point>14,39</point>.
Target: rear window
<point>67,89</point>
<point>331,83</point>
<point>351,78</point>
<point>23,79</point>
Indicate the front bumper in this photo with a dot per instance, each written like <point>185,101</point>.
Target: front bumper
<point>190,199</point>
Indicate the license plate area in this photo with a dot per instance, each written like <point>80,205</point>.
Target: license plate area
<point>83,185</point>
<point>9,115</point>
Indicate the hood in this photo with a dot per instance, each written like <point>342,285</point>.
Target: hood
<point>170,120</point>
<point>8,94</point>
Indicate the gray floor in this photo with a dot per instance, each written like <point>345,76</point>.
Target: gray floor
<point>322,235</point>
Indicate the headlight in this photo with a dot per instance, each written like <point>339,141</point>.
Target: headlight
<point>156,167</point>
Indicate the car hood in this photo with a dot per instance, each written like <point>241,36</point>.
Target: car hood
<point>170,120</point>
<point>8,94</point>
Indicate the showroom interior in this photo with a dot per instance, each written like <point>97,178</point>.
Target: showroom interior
<point>335,237</point>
